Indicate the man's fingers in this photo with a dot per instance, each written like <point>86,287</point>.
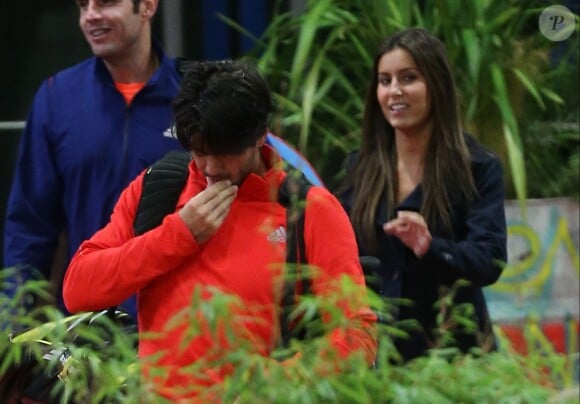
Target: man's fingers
<point>220,202</point>
<point>218,208</point>
<point>204,213</point>
<point>213,191</point>
<point>214,195</point>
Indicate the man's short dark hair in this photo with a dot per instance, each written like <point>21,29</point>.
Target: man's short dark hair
<point>222,107</point>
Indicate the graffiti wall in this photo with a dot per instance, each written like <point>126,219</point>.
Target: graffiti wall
<point>536,302</point>
<point>543,272</point>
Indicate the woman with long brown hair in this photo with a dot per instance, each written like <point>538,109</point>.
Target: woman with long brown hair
<point>422,196</point>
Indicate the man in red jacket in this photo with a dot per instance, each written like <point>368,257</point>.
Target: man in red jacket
<point>227,234</point>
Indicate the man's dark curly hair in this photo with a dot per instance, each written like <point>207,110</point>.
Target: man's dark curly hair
<point>222,107</point>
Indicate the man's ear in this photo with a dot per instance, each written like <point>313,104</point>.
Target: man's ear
<point>149,7</point>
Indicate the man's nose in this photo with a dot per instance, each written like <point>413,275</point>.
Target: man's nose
<point>93,10</point>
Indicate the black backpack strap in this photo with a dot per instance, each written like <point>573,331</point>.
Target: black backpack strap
<point>292,195</point>
<point>162,185</point>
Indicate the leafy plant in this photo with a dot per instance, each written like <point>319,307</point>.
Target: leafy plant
<point>553,138</point>
<point>95,361</point>
<point>555,164</point>
<point>319,63</point>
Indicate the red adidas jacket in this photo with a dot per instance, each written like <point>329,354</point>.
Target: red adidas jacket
<point>244,258</point>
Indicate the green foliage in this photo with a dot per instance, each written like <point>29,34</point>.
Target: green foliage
<point>319,63</point>
<point>555,164</point>
<point>95,361</point>
<point>553,139</point>
<point>81,358</point>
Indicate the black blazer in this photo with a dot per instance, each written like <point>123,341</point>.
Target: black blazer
<point>475,252</point>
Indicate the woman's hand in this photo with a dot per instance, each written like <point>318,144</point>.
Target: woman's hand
<point>411,229</point>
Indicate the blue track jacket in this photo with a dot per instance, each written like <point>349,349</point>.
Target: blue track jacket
<point>81,146</point>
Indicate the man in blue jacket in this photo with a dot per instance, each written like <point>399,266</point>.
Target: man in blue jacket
<point>91,129</point>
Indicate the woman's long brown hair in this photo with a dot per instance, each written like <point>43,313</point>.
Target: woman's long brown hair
<point>447,162</point>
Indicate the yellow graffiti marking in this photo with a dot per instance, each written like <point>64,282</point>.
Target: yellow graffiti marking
<point>535,283</point>
<point>534,246</point>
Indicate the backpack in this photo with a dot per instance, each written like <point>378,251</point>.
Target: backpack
<point>162,184</point>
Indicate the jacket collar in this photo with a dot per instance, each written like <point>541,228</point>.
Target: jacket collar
<point>412,203</point>
<point>165,64</point>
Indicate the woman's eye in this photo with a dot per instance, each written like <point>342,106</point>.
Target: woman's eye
<point>385,81</point>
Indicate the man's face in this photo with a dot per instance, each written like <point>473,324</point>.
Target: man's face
<point>233,167</point>
<point>112,27</point>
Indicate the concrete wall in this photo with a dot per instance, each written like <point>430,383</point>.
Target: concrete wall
<point>542,276</point>
<point>535,304</point>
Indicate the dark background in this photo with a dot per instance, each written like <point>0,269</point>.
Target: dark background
<point>41,37</point>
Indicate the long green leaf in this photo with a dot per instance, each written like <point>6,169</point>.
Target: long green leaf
<point>310,26</point>
<point>525,80</point>
<point>472,51</point>
<point>40,332</point>
<point>395,14</point>
<point>308,100</point>
<point>552,95</point>
<point>502,101</point>
<point>511,136</point>
<point>232,23</point>
<point>503,18</point>
<point>518,169</point>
